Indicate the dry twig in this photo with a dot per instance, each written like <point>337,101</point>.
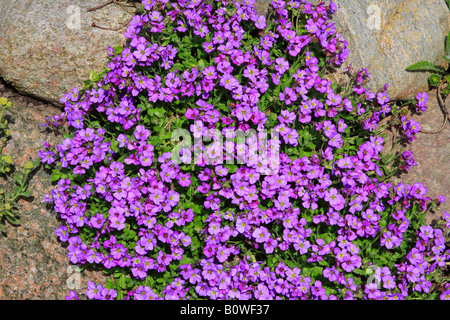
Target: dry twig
<point>121,4</point>
<point>443,108</point>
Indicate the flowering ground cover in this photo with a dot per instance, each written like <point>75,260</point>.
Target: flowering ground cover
<point>212,159</point>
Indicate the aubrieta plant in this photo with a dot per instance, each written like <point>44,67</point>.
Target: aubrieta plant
<point>212,159</point>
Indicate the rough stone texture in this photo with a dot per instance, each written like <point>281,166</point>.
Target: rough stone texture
<point>262,6</point>
<point>388,36</point>
<point>49,47</point>
<point>33,263</point>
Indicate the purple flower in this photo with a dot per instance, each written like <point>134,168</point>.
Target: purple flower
<point>243,113</point>
<point>117,222</point>
<point>97,221</point>
<point>418,190</point>
<point>261,234</point>
<point>389,240</point>
<point>222,253</point>
<point>281,65</point>
<point>382,98</point>
<point>94,291</point>
<point>47,156</point>
<point>201,30</point>
<point>260,22</point>
<point>445,295</point>
<point>334,198</point>
<point>72,296</point>
<point>426,232</point>
<point>229,82</point>
<point>336,141</point>
<point>422,100</point>
<point>331,274</point>
<point>288,96</point>
<point>63,233</point>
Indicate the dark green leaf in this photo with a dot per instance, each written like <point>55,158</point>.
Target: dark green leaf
<point>26,193</point>
<point>122,282</point>
<point>447,44</point>
<point>118,49</point>
<point>12,219</point>
<point>434,80</point>
<point>425,66</point>
<point>17,177</point>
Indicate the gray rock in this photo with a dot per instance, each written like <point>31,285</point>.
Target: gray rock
<point>388,36</point>
<point>262,6</point>
<point>49,47</point>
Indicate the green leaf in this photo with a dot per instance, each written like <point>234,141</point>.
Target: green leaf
<point>122,282</point>
<point>306,271</point>
<point>359,271</point>
<point>17,178</point>
<point>155,140</point>
<point>12,219</point>
<point>425,66</point>
<point>118,49</point>
<point>447,44</point>
<point>190,63</point>
<point>160,112</point>
<point>26,194</point>
<point>434,80</point>
<point>55,177</point>
<point>202,63</point>
<point>447,77</point>
<point>198,223</point>
<point>7,158</point>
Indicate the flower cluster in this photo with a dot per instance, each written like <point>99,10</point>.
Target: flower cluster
<point>409,161</point>
<point>302,216</point>
<point>422,100</point>
<point>410,127</point>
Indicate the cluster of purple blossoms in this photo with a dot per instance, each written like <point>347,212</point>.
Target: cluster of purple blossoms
<point>270,211</point>
<point>411,275</point>
<point>408,159</point>
<point>422,100</point>
<point>140,198</point>
<point>410,128</point>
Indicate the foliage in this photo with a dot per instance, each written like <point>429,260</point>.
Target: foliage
<point>290,197</point>
<point>8,200</point>
<point>5,160</point>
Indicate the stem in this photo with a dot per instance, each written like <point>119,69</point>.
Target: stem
<point>112,29</point>
<point>100,6</point>
<point>375,239</point>
<point>444,111</point>
<point>3,112</point>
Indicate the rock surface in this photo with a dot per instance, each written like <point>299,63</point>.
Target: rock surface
<point>49,47</point>
<point>388,36</point>
<point>262,6</point>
